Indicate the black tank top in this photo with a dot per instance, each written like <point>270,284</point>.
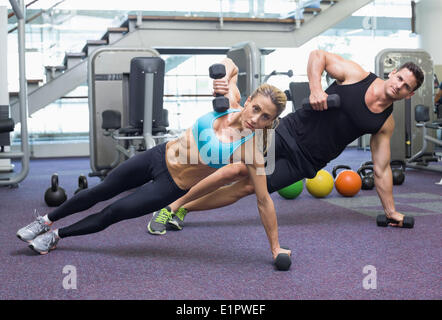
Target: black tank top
<point>323,135</point>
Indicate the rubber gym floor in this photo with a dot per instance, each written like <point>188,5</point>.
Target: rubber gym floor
<point>224,253</point>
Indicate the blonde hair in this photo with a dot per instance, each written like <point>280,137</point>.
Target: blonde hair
<point>279,99</point>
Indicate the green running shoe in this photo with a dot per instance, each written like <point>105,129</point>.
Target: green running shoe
<point>157,224</point>
<point>177,220</point>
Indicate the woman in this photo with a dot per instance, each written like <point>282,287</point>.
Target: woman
<point>167,171</point>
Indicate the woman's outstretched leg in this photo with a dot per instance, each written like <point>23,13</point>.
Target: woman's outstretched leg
<point>147,199</point>
<point>130,174</point>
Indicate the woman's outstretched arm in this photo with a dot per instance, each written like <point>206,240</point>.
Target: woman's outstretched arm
<point>219,178</point>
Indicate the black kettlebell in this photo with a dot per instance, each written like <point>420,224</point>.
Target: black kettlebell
<point>82,184</point>
<point>367,163</point>
<point>366,177</point>
<point>398,170</point>
<point>55,195</point>
<point>336,168</point>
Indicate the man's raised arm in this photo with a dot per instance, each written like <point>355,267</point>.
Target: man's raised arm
<point>343,70</point>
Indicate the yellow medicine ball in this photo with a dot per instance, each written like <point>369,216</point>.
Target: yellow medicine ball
<point>321,185</point>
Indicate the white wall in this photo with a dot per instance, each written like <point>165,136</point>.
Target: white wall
<point>429,27</point>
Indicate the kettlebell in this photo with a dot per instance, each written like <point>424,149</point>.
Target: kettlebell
<point>55,195</point>
<point>367,163</point>
<point>336,168</point>
<point>366,177</point>
<point>82,183</point>
<point>398,170</point>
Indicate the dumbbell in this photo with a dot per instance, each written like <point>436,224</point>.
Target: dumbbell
<point>333,101</point>
<point>220,103</point>
<point>383,221</point>
<point>283,261</point>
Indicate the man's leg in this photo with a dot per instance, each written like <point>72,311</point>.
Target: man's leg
<point>200,197</point>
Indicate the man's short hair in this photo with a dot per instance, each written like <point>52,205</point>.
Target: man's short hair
<point>417,72</point>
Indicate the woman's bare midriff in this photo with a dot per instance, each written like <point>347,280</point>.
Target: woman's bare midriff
<point>184,162</point>
<point>183,158</point>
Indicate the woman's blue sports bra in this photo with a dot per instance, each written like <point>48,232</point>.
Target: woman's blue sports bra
<point>214,152</point>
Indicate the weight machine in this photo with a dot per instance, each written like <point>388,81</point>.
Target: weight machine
<point>11,178</point>
<point>126,88</point>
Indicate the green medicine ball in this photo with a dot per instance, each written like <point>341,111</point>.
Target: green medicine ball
<point>292,191</point>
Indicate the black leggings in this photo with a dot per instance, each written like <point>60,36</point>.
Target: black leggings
<point>146,170</point>
<point>290,166</point>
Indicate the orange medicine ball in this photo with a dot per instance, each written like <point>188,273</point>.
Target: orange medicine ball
<point>347,182</point>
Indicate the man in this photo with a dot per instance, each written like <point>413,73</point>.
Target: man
<point>305,141</point>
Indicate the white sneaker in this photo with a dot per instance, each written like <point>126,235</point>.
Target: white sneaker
<point>33,230</point>
<point>44,243</point>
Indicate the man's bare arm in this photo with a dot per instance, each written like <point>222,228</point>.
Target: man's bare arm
<point>380,150</point>
<point>343,70</point>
